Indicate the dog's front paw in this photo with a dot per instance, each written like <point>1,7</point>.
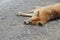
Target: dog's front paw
<point>19,13</point>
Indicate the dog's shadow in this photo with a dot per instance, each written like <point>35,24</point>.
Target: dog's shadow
<point>55,19</point>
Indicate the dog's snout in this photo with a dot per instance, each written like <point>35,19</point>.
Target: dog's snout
<point>27,22</point>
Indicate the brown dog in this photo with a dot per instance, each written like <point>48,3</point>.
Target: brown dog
<point>42,15</point>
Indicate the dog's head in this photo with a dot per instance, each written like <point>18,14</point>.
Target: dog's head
<point>35,19</point>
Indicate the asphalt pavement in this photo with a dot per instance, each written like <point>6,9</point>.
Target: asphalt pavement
<point>12,27</point>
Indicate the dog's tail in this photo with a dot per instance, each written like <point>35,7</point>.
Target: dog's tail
<point>24,14</point>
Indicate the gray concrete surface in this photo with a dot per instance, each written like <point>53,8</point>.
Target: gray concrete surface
<point>12,27</point>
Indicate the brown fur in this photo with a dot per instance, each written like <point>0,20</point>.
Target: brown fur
<point>43,14</point>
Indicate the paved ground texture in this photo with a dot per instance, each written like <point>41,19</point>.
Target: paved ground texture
<point>12,27</point>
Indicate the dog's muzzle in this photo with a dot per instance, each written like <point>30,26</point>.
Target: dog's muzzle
<point>27,22</point>
<point>30,23</point>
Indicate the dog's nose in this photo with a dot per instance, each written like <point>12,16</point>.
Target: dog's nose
<point>26,22</point>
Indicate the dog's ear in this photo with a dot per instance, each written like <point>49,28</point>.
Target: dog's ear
<point>37,13</point>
